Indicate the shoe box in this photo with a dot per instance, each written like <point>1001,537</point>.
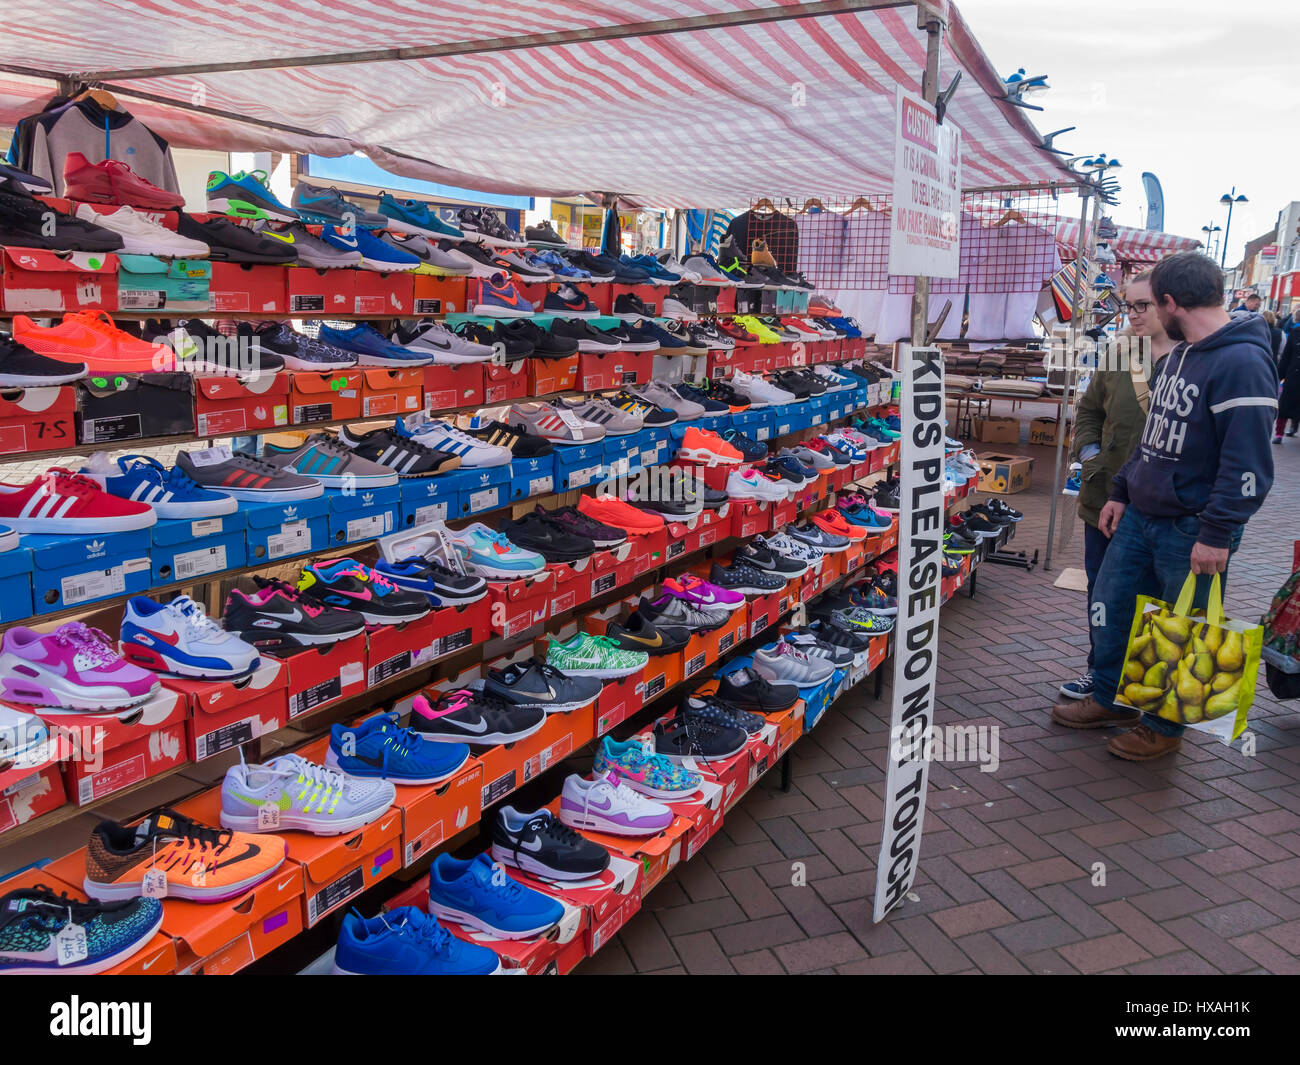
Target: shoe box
<point>520,604</point>
<point>449,387</point>
<point>226,713</point>
<point>685,536</point>
<point>134,407</point>
<point>508,767</point>
<point>147,283</point>
<point>657,855</point>
<point>324,397</point>
<point>756,424</point>
<point>436,294</point>
<point>429,499</point>
<point>35,281</point>
<point>455,628</point>
<point>662,672</point>
<point>248,288</point>
<point>817,700</point>
<point>655,445</point>
<point>578,465</point>
<point>37,419</point>
<point>378,293</point>
<point>1004,474</point>
<point>610,569</point>
<point>571,583</point>
<point>190,548</point>
<point>721,362</point>
<point>618,451</point>
<point>112,751</point>
<point>15,584</point>
<point>70,571</point>
<point>788,418</point>
<point>30,794</point>
<point>394,649</point>
<point>324,674</point>
<point>614,369</point>
<point>505,382</point>
<point>552,375</point>
<point>434,813</point>
<point>650,551</point>
<point>357,514</point>
<point>391,392</point>
<point>765,611</point>
<point>532,476</point>
<point>311,290</point>
<point>234,405</point>
<point>784,512</point>
<point>281,530</point>
<point>480,490</point>
<point>750,517</point>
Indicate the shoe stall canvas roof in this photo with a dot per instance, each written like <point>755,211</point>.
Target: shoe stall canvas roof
<point>683,103</point>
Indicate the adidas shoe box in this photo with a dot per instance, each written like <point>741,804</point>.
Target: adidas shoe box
<point>362,513</point>
<point>196,547</point>
<point>532,477</point>
<point>134,407</point>
<point>68,571</point>
<point>429,499</point>
<point>789,417</point>
<point>281,530</point>
<point>656,447</point>
<point>618,450</point>
<point>578,465</point>
<point>481,490</point>
<point>16,584</point>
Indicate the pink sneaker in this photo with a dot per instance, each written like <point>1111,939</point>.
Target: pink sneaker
<point>74,667</point>
<point>699,592</point>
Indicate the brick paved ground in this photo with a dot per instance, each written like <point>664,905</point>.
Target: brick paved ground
<point>1201,851</point>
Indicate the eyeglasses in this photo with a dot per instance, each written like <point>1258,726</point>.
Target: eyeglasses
<point>1137,307</point>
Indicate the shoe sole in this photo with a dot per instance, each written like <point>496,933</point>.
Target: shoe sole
<point>485,739</point>
<point>540,869</point>
<point>23,380</point>
<point>72,526</point>
<point>88,968</point>
<point>238,208</point>
<point>133,889</point>
<point>332,760</point>
<point>469,920</point>
<point>292,362</point>
<point>248,495</point>
<point>394,363</point>
<point>485,310</point>
<point>1110,747</point>
<point>295,823</point>
<point>705,457</point>
<point>1117,723</point>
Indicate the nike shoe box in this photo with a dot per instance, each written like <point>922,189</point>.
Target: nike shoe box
<point>18,771</point>
<point>147,283</point>
<point>134,407</point>
<point>618,701</point>
<point>532,477</point>
<point>282,530</point>
<point>684,536</point>
<point>614,369</point>
<point>657,855</point>
<point>324,397</point>
<point>508,767</point>
<point>434,295</point>
<point>231,405</point>
<point>36,281</point>
<point>749,518</point>
<point>15,584</point>
<point>391,295</point>
<point>248,288</point>
<point>650,551</point>
<point>455,628</point>
<point>359,514</point>
<point>69,571</point>
<point>504,383</point>
<point>721,362</point>
<point>611,569</point>
<point>605,295</point>
<point>37,419</point>
<point>195,547</point>
<point>429,499</point>
<point>784,513</point>
<point>578,465</point>
<point>450,387</point>
<point>572,581</point>
<point>764,612</point>
<point>310,290</point>
<point>396,649</point>
<point>321,675</point>
<point>30,796</point>
<point>226,713</point>
<point>520,604</point>
<point>391,392</point>
<point>553,375</point>
<point>481,490</point>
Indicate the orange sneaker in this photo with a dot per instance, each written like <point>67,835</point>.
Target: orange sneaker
<point>621,515</point>
<point>92,338</point>
<point>832,521</point>
<point>707,448</point>
<point>199,863</point>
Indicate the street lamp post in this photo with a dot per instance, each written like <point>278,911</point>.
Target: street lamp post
<point>1229,198</point>
<point>1209,232</point>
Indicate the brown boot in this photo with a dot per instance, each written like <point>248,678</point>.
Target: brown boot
<point>1088,713</point>
<point>1143,744</point>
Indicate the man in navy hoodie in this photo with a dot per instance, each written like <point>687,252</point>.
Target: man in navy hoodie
<point>1202,468</point>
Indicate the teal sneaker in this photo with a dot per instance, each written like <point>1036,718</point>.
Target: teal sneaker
<point>643,771</point>
<point>245,195</point>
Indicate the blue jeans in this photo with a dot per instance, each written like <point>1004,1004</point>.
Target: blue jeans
<point>1146,556</point>
<point>1095,543</point>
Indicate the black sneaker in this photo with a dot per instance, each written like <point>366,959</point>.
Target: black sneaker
<point>20,367</point>
<point>638,634</point>
<point>951,566</point>
<point>741,577</point>
<point>999,509</point>
<point>406,455</point>
<point>442,585</point>
<point>783,474</point>
<point>299,352</point>
<point>753,450</point>
<point>534,683</point>
<point>668,509</point>
<point>229,242</point>
<point>600,267</point>
<point>653,417</point>
<point>982,526</point>
<point>623,335</point>
<point>277,617</point>
<point>535,531</point>
<point>568,301</point>
<point>632,308</point>
<point>584,335</point>
<point>544,236</point>
<point>744,690</point>
<point>687,735</point>
<point>543,343</point>
<point>486,224</point>
<point>710,405</point>
<point>715,498</point>
<point>794,384</point>
<point>521,444</point>
<point>758,554</point>
<point>580,524</point>
<point>199,345</point>
<point>24,222</point>
<point>464,716</point>
<point>886,499</point>
<point>348,585</point>
<point>827,632</point>
<point>989,512</point>
<point>542,846</point>
<point>724,391</point>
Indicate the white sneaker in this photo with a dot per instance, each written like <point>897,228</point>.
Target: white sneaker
<point>760,392</point>
<point>670,262</point>
<point>443,436</point>
<point>750,484</point>
<point>142,237</point>
<point>786,664</point>
<point>179,637</point>
<point>677,309</point>
<point>608,805</point>
<point>795,549</point>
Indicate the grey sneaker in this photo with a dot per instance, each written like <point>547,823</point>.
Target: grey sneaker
<point>525,270</point>
<point>808,457</point>
<point>327,205</point>
<point>426,251</point>
<point>559,425</point>
<point>283,784</point>
<point>312,251</point>
<point>669,610</point>
<point>322,456</point>
<point>707,269</point>
<point>662,396</point>
<point>448,348</point>
<point>241,476</point>
<point>602,412</point>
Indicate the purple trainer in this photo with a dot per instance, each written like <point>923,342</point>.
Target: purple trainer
<point>604,804</point>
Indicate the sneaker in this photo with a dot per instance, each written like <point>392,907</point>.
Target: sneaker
<point>24,223</point>
<point>759,392</point>
<point>706,267</point>
<point>572,519</point>
<point>616,512</point>
<point>322,457</point>
<point>638,634</point>
<point>180,638</point>
<point>405,454</point>
<point>651,415</point>
<point>489,554</point>
<point>379,747</point>
<point>831,631</point>
<point>483,225</point>
<point>244,477</point>
<point>543,343</point>
<point>347,584</point>
<point>860,620</point>
<point>521,444</point>
<point>544,236</point>
<point>291,794</point>
<point>687,736</point>
<point>751,450</point>
<point>632,308</point>
<point>246,195</point>
<point>309,248</point>
<point>426,560</point>
<point>406,941</point>
<point>645,772</point>
<point>607,804</point>
<point>543,846</point>
<point>745,579</point>
<point>815,536</point>
<point>840,654</point>
<point>707,595</point>
<point>1000,511</point>
<point>326,206</point>
<point>982,526</point>
<point>728,713</point>
<point>671,610</point>
<point>760,554</point>
<point>415,216</point>
<point>834,522</point>
<point>171,493</point>
<point>32,919</point>
<point>568,302</point>
<point>556,424</point>
<point>598,657</point>
<point>600,411</point>
<point>585,335</point>
<point>523,267</point>
<point>676,309</point>
<point>277,617</point>
<point>141,236</point>
<point>371,347</point>
<point>299,352</point>
<point>794,551</point>
<point>669,261</point>
<point>710,404</point>
<point>535,532</point>
<point>536,684</point>
<point>785,663</point>
<point>91,337</point>
<point>601,268</point>
<point>748,483</point>
<point>478,718</point>
<point>197,862</point>
<point>707,448</point>
<point>75,667</point>
<point>376,254</point>
<point>201,349</point>
<point>433,258</point>
<point>21,367</point>
<point>443,436</point>
<point>1079,688</point>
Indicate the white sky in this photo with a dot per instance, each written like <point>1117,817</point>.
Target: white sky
<point>1204,94</point>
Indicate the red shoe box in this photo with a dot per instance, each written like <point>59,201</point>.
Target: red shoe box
<point>721,363</point>
<point>30,796</point>
<point>613,369</point>
<point>324,397</point>
<point>437,295</point>
<point>572,581</point>
<point>449,387</point>
<point>393,649</point>
<point>520,604</point>
<point>618,701</point>
<point>750,517</point>
<point>228,405</point>
<point>783,355</point>
<point>505,383</point>
<point>37,419</point>
<point>651,295</point>
<point>323,292</point>
<point>552,375</point>
<point>456,627</point>
<point>684,537</point>
<point>33,280</point>
<point>391,392</point>
<point>726,299</point>
<point>763,359</point>
<point>319,676</point>
<point>608,901</point>
<point>657,855</point>
<point>764,611</point>
<point>612,569</point>
<point>390,294</point>
<point>226,713</point>
<point>249,288</point>
<point>650,551</point>
<point>784,513</point>
<point>695,655</point>
<point>722,640</point>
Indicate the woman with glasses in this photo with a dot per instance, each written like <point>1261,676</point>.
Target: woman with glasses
<point>1108,427</point>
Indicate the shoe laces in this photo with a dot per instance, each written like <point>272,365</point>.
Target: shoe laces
<point>87,641</point>
<point>253,464</point>
<point>98,321</point>
<point>196,618</point>
<point>257,175</point>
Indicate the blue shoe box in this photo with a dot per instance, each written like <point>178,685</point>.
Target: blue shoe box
<point>787,418</point>
<point>819,409</point>
<point>282,530</point>
<point>482,490</point>
<point>714,423</point>
<point>16,583</point>
<point>618,453</point>
<point>68,571</point>
<point>196,547</point>
<point>532,477</point>
<point>578,465</point>
<point>429,499</point>
<point>358,514</point>
<point>655,447</point>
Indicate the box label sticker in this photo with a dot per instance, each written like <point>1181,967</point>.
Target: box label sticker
<point>226,737</point>
<point>677,547</point>
<point>307,303</point>
<point>197,563</point>
<point>583,477</point>
<point>453,641</point>
<point>205,527</point>
<point>313,412</point>
<point>106,430</point>
<point>95,584</point>
<point>500,788</point>
<point>727,642</point>
<point>334,894</point>
<point>759,624</point>
<point>390,667</point>
<point>539,486</point>
<point>432,512</point>
<point>367,528</point>
<point>310,698</point>
<point>695,664</point>
<point>655,686</point>
<point>111,779</point>
<point>424,305</point>
<point>292,539</point>
<point>603,583</point>
<point>485,499</point>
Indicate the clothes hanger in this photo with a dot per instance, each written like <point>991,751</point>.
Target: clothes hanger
<point>861,203</point>
<point>763,205</point>
<point>1010,216</point>
<point>810,204</point>
<point>103,97</point>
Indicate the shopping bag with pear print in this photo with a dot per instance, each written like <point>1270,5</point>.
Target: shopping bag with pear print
<point>1191,668</point>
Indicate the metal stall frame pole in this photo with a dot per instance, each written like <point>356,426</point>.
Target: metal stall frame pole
<point>1082,254</point>
<point>934,27</point>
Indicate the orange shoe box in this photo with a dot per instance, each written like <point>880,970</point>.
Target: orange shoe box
<point>324,397</point>
<point>391,392</point>
<point>504,383</point>
<point>230,405</point>
<point>248,288</point>
<point>37,419</point>
<point>434,813</point>
<point>376,293</point>
<point>34,280</point>
<point>448,387</point>
<point>520,604</point>
<point>319,676</point>
<point>434,294</point>
<point>319,291</point>
<point>656,854</point>
<point>226,713</point>
<point>552,375</point>
<point>507,767</point>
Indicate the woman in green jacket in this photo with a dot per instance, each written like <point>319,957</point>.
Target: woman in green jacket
<point>1107,430</point>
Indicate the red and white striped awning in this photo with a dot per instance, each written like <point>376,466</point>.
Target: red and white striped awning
<point>716,114</point>
<point>1135,247</point>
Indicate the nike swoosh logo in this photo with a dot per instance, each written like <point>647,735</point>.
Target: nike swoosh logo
<point>283,802</point>
<point>294,616</point>
<point>283,238</point>
<point>534,844</point>
<point>344,240</point>
<point>251,850</point>
<point>150,964</point>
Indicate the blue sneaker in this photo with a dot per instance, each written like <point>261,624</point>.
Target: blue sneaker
<point>371,347</point>
<point>31,920</point>
<point>645,331</point>
<point>848,326</point>
<point>328,207</point>
<point>1074,485</point>
<point>753,450</point>
<point>561,267</point>
<point>498,298</point>
<point>376,254</point>
<point>171,493</point>
<point>794,466</point>
<point>479,894</point>
<point>656,272</point>
<point>407,942</point>
<point>245,195</point>
<point>379,747</point>
<point>866,518</point>
<point>412,216</point>
<point>1080,688</point>
<point>627,272</point>
<point>492,556</point>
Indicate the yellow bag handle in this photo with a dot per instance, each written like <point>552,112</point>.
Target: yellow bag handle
<point>1213,606</point>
